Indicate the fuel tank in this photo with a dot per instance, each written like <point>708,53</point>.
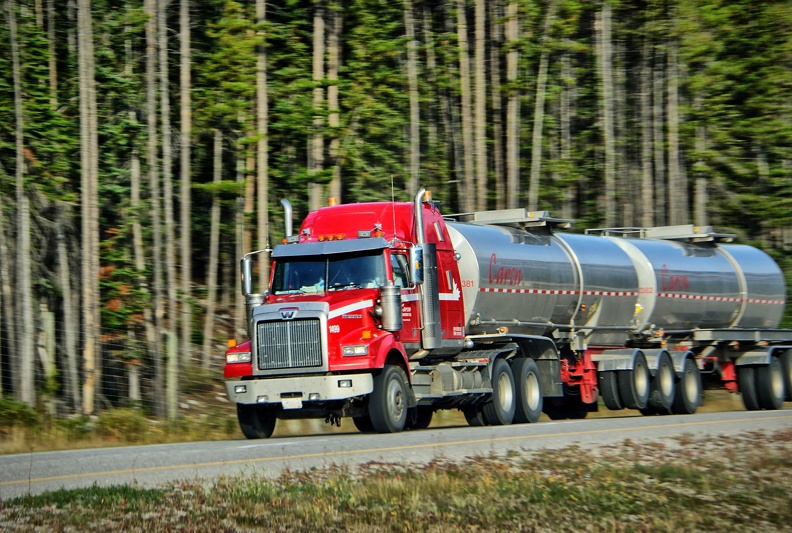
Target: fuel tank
<point>533,280</point>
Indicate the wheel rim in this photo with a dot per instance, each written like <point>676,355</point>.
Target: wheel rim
<point>395,399</point>
<point>532,395</point>
<point>641,379</point>
<point>691,385</point>
<point>777,379</point>
<point>666,380</point>
<point>505,393</point>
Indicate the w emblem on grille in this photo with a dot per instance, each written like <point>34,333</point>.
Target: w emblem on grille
<point>288,313</point>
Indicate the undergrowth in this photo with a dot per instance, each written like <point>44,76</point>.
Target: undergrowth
<point>735,483</point>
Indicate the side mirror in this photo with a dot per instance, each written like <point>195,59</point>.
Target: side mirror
<point>417,265</point>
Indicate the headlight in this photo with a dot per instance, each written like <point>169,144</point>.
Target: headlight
<point>238,357</point>
<point>356,349</point>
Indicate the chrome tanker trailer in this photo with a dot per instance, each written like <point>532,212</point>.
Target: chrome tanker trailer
<point>386,312</point>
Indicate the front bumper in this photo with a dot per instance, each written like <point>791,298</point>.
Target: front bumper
<point>291,392</point>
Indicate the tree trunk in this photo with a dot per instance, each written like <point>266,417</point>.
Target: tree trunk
<point>412,89</point>
<point>565,112</point>
<point>604,53</point>
<point>214,254</point>
<point>333,118</point>
<point>700,204</point>
<point>659,142</point>
<point>70,321</point>
<point>512,107</point>
<point>316,164</point>
<point>481,106</point>
<point>185,87</point>
<point>677,186</point>
<point>156,213</point>
<point>6,296</point>
<point>538,123</point>
<point>22,375</point>
<point>262,146</point>
<point>468,189</point>
<point>647,196</point>
<point>432,111</point>
<point>167,182</point>
<point>496,38</point>
<point>53,64</point>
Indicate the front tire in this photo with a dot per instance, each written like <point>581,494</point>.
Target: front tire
<point>255,421</point>
<point>388,404</point>
<point>499,410</point>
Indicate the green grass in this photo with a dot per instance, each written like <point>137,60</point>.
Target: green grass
<point>691,484</point>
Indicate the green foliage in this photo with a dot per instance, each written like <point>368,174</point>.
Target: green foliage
<point>123,424</point>
<point>130,498</point>
<point>14,413</point>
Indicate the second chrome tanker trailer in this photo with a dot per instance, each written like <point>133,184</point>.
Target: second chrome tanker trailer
<point>387,312</point>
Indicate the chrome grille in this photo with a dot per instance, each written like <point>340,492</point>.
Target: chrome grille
<point>289,344</point>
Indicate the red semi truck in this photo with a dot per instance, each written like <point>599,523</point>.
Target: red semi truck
<point>388,311</point>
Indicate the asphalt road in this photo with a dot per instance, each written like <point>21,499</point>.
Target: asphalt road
<point>147,466</point>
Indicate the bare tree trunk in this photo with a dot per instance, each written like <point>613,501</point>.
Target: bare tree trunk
<point>604,48</point>
<point>333,118</point>
<point>6,298</point>
<point>677,186</point>
<point>512,107</point>
<point>700,205</point>
<point>496,38</point>
<point>156,213</point>
<point>53,64</point>
<point>538,123</point>
<point>481,106</point>
<point>415,117</point>
<point>468,200</point>
<point>167,187</point>
<point>241,245</point>
<point>185,87</point>
<point>70,322</point>
<point>90,231</point>
<point>647,197</point>
<point>22,375</point>
<point>214,254</point>
<point>565,113</point>
<point>658,142</point>
<point>317,142</point>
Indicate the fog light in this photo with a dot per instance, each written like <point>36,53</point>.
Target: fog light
<point>262,399</point>
<point>240,389</point>
<point>344,383</point>
<point>314,396</point>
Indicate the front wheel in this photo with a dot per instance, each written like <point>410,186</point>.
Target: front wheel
<point>388,405</point>
<point>255,421</point>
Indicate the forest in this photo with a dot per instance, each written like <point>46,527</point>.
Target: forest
<point>145,145</point>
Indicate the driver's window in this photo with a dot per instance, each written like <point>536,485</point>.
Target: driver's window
<point>400,268</point>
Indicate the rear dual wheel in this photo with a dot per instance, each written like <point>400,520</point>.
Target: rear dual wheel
<point>763,387</point>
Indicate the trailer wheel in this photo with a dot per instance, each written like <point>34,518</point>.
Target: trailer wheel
<point>255,421</point>
<point>570,407</point>
<point>770,384</point>
<point>528,388</point>
<point>662,385</point>
<point>363,423</point>
<point>634,384</point>
<point>786,363</point>
<point>499,410</point>
<point>746,378</point>
<point>473,415</point>
<point>388,404</point>
<point>609,388</point>
<point>687,397</point>
<point>420,418</point>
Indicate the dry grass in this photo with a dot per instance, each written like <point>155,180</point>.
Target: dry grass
<point>692,484</point>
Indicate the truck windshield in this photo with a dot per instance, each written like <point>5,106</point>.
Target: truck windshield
<point>337,272</point>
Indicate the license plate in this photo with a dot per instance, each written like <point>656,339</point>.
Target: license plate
<point>292,403</point>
